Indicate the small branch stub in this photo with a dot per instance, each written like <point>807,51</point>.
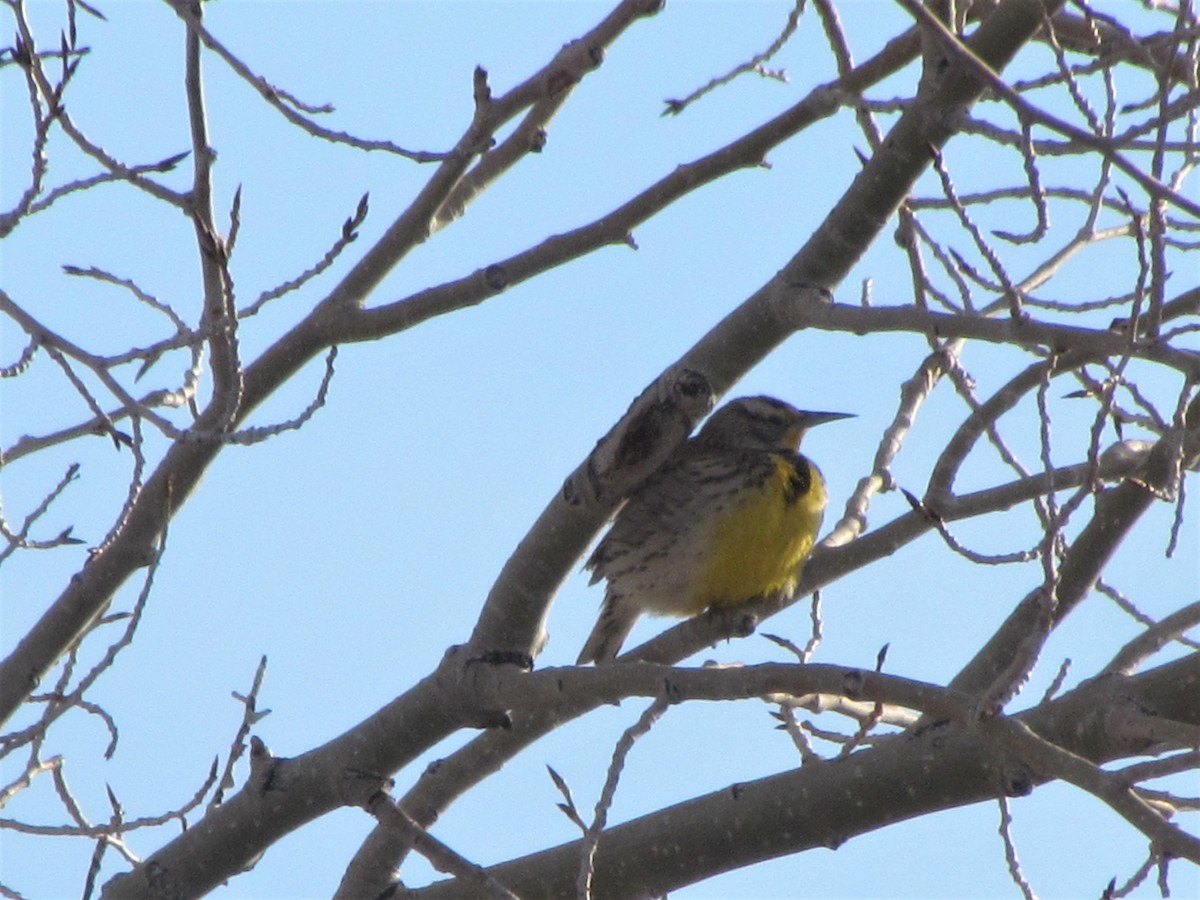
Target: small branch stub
<point>657,422</point>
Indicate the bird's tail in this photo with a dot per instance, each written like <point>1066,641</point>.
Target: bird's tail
<point>615,622</point>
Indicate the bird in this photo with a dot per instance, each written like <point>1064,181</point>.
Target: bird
<point>730,516</point>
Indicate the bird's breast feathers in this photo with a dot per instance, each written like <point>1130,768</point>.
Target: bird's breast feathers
<point>713,530</point>
<point>759,542</point>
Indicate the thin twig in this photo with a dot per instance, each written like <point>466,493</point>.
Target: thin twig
<point>756,64</point>
<point>286,103</point>
<point>591,838</point>
<point>251,716</point>
<point>1010,850</point>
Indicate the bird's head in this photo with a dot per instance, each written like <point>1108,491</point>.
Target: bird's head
<point>760,423</point>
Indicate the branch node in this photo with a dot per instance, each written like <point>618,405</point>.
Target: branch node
<point>658,421</point>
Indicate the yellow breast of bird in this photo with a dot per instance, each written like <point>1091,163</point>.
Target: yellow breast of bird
<point>713,529</point>
<point>758,541</point>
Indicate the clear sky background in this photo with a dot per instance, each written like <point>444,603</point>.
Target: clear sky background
<point>353,552</point>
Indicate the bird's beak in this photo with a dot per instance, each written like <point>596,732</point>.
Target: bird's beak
<point>820,418</point>
<point>811,419</point>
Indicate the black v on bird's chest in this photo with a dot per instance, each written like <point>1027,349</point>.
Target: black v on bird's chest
<point>795,473</point>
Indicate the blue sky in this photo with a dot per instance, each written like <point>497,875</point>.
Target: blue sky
<point>354,551</point>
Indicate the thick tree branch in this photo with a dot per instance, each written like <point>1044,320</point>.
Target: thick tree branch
<point>824,804</point>
<point>472,764</point>
<point>466,690</point>
<point>511,622</point>
<point>184,463</point>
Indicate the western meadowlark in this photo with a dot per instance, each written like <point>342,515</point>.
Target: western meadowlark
<point>730,516</point>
